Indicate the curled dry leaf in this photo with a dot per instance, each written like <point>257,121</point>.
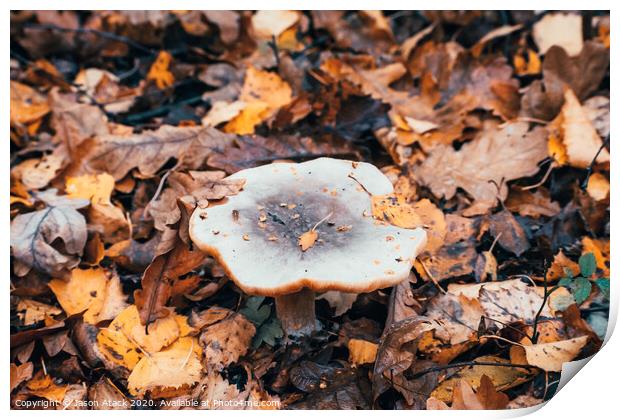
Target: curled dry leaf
<point>483,166</point>
<point>550,357</point>
<point>32,236</point>
<point>173,367</point>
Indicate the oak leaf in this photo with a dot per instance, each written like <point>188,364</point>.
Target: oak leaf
<point>150,150</point>
<point>32,236</point>
<point>483,166</point>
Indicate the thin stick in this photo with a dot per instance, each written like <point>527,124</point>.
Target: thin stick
<point>543,180</point>
<point>428,273</point>
<point>322,220</point>
<point>469,364</point>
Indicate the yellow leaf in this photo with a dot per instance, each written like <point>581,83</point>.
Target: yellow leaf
<point>27,105</point>
<point>307,239</point>
<point>125,340</point>
<point>44,386</point>
<point>556,149</point>
<point>160,71</point>
<point>173,367</point>
<point>548,356</point>
<point>600,249</point>
<point>96,188</point>
<point>252,114</point>
<point>265,87</point>
<point>527,66</point>
<point>92,291</point>
<point>362,351</point>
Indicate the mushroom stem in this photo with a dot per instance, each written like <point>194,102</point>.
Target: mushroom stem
<point>296,313</point>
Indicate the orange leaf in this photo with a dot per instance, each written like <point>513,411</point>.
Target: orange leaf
<point>160,71</point>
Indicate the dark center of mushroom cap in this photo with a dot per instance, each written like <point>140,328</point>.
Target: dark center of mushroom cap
<point>282,219</point>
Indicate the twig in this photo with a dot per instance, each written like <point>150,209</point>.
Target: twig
<point>433,279</point>
<point>535,332</point>
<point>584,184</point>
<point>102,34</point>
<point>469,364</point>
<point>552,166</point>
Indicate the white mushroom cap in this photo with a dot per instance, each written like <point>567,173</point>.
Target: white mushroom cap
<point>254,234</point>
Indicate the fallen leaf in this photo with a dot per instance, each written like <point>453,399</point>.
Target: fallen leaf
<point>464,397</point>
<point>501,377</point>
<point>598,186</point>
<point>150,150</point>
<point>226,340</point>
<point>107,396</point>
<point>160,70</point>
<point>94,292</point>
<point>532,204</point>
<point>578,135</point>
<point>483,166</point>
<point>38,173</point>
<point>43,386</point>
<point>27,105</point>
<point>227,22</point>
<point>307,239</point>
<point>550,357</point>
<point>561,263</point>
<point>600,249</point>
<point>271,23</point>
<point>20,374</point>
<point>561,29</point>
<point>172,367</point>
<point>508,232</point>
<point>341,302</point>
<point>221,112</point>
<point>34,311</point>
<point>361,351</point>
<point>249,151</point>
<point>32,236</point>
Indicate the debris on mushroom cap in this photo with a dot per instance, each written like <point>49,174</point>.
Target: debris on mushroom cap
<point>356,258</point>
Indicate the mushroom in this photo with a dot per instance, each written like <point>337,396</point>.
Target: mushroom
<point>300,228</point>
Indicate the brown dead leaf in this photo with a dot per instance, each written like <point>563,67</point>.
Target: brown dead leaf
<point>483,166</point>
<point>34,311</point>
<point>159,277</point>
<point>577,134</point>
<point>172,367</point>
<point>509,234</point>
<point>150,150</point>
<point>548,356</point>
<point>107,396</point>
<point>38,173</point>
<point>464,398</point>
<point>533,204</point>
<point>501,377</point>
<point>32,235</point>
<point>226,340</point>
<point>20,374</point>
<point>249,151</point>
